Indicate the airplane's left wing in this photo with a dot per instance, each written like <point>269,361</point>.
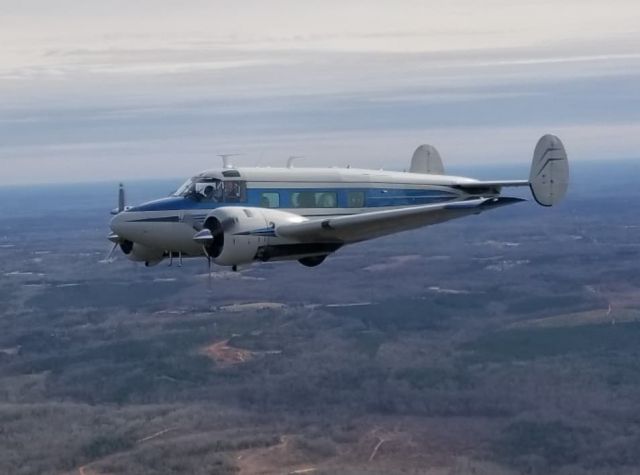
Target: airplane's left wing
<point>360,227</point>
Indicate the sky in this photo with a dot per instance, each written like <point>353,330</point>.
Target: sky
<point>127,90</point>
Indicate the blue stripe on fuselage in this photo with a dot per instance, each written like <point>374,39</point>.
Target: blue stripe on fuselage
<point>177,203</point>
<point>165,219</point>
<point>374,198</point>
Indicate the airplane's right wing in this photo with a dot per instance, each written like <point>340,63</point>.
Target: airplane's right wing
<point>360,227</point>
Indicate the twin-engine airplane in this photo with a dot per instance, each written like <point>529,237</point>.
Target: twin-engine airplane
<point>234,216</point>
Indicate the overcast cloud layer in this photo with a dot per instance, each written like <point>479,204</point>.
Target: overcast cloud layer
<point>121,90</point>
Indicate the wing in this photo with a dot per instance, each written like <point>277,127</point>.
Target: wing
<point>360,227</point>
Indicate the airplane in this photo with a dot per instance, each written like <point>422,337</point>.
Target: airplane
<point>236,216</point>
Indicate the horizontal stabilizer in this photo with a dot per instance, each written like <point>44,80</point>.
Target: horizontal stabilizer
<point>493,183</point>
<point>548,178</point>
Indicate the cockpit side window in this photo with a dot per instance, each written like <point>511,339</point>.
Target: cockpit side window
<point>213,190</point>
<point>202,189</point>
<point>184,188</point>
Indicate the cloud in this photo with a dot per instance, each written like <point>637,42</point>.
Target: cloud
<point>129,79</point>
<point>462,149</point>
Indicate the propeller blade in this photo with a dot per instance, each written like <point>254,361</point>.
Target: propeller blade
<point>109,257</point>
<point>121,198</point>
<point>122,204</point>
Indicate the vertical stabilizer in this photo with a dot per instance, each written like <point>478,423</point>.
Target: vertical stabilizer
<point>426,159</point>
<point>549,177</point>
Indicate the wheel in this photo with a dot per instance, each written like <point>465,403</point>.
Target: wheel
<point>312,261</point>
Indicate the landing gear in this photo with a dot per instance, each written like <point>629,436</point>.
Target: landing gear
<point>312,261</point>
<point>171,254</point>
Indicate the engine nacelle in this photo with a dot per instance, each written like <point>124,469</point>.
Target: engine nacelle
<point>140,253</point>
<point>239,233</point>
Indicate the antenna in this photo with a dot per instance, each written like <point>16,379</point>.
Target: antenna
<point>292,158</point>
<point>226,163</point>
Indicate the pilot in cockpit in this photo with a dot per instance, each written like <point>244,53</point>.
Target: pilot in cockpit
<point>207,194</point>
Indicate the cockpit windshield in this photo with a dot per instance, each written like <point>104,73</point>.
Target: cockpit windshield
<point>213,190</point>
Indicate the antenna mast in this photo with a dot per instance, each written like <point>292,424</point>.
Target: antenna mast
<point>292,158</point>
<point>226,163</point>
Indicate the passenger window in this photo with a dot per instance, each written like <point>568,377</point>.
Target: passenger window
<point>269,200</point>
<point>312,199</point>
<point>303,199</point>
<point>326,200</point>
<point>355,199</point>
<point>235,191</point>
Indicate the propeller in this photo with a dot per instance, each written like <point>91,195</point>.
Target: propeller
<point>122,203</point>
<point>115,239</point>
<point>206,237</point>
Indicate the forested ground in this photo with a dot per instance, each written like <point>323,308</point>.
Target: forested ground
<point>503,343</point>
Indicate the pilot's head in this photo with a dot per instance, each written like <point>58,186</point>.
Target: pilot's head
<point>208,191</point>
